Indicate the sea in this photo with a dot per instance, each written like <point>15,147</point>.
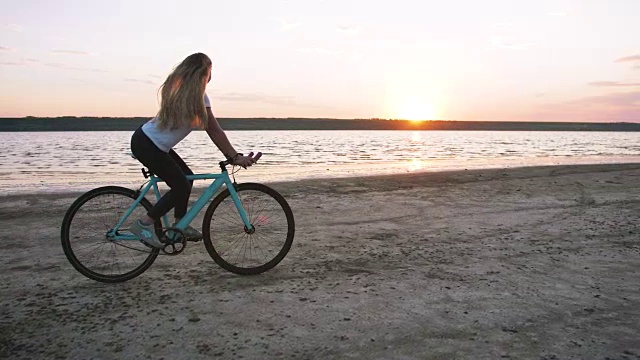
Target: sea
<point>42,162</point>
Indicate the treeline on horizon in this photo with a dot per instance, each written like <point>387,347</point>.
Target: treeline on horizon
<point>72,123</point>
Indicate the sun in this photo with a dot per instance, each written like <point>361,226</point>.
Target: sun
<point>414,93</point>
<point>415,109</point>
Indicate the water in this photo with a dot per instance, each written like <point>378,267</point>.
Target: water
<point>59,161</point>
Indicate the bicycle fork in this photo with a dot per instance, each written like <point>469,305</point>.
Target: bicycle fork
<point>248,227</point>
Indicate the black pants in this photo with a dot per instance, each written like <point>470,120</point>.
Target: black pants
<point>170,168</point>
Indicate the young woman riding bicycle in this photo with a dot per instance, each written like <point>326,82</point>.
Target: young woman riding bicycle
<point>184,107</point>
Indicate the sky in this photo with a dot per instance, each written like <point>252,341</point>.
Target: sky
<point>488,60</point>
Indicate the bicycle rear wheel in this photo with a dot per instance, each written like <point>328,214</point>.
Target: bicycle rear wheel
<point>85,239</point>
<point>249,252</point>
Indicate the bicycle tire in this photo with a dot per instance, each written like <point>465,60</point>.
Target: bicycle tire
<point>122,196</point>
<point>279,222</point>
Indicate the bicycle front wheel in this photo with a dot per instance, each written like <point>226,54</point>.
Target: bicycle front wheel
<point>249,251</point>
<point>88,240</point>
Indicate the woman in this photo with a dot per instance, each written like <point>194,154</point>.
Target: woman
<point>184,106</point>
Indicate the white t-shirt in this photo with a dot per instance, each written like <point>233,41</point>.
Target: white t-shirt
<point>165,139</point>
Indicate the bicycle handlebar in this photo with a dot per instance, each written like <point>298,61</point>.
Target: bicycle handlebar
<point>223,164</point>
<point>147,173</point>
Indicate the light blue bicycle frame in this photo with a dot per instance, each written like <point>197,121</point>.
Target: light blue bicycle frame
<point>220,179</point>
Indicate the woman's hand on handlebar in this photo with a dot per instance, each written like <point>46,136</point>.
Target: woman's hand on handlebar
<point>246,161</point>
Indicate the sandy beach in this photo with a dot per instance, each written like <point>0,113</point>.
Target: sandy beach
<point>522,263</point>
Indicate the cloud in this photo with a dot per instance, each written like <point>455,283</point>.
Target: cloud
<point>287,25</point>
<point>612,84</point>
<point>629,58</point>
<point>504,42</point>
<point>289,101</point>
<point>67,67</point>
<point>349,29</point>
<point>625,99</point>
<point>57,65</point>
<point>255,97</point>
<point>621,106</point>
<point>70,52</point>
<point>7,49</point>
<point>557,13</point>
<point>21,62</point>
<point>13,27</point>
<point>140,81</point>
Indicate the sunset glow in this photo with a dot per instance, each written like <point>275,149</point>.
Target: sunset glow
<point>329,59</point>
<point>417,110</point>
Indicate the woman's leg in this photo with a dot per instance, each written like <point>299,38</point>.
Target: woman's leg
<point>181,209</point>
<point>165,166</point>
<point>181,204</point>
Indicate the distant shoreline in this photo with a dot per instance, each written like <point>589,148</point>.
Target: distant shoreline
<point>130,124</point>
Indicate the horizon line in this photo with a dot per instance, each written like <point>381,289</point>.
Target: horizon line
<point>29,117</point>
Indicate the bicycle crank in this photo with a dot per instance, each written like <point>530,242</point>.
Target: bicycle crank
<point>175,241</point>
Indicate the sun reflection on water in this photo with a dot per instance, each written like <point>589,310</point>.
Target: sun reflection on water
<point>416,165</point>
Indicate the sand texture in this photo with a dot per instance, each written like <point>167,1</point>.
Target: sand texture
<point>528,263</point>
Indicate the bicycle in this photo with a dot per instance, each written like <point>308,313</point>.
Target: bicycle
<point>251,218</point>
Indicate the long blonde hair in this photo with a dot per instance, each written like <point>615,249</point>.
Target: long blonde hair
<point>182,93</point>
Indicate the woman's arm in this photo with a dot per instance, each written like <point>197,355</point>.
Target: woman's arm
<point>220,139</point>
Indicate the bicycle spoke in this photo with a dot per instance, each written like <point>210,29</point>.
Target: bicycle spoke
<point>234,244</point>
<point>98,212</point>
<point>249,252</point>
<point>90,246</point>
